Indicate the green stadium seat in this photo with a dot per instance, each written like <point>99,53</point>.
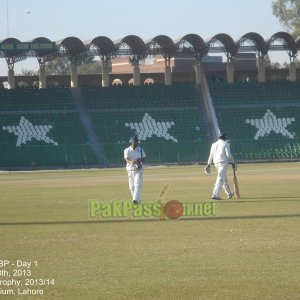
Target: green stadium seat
<point>243,108</point>
<point>52,133</point>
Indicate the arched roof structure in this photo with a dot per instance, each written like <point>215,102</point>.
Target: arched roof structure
<point>286,40</point>
<point>104,46</point>
<point>44,56</point>
<point>193,43</point>
<point>134,47</point>
<point>164,45</point>
<point>298,43</point>
<point>227,41</point>
<point>13,56</point>
<point>74,47</point>
<point>135,44</point>
<point>256,40</point>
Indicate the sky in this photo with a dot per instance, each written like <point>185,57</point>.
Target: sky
<point>58,19</point>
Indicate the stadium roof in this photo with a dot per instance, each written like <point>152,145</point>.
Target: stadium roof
<point>134,47</point>
<point>44,55</point>
<point>256,40</point>
<point>13,56</point>
<point>224,41</point>
<point>73,46</point>
<point>194,43</point>
<point>104,46</point>
<point>163,45</point>
<point>285,39</point>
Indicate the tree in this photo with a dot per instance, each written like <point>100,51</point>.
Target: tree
<point>94,67</point>
<point>61,66</point>
<point>25,72</point>
<point>296,61</point>
<point>288,13</point>
<point>58,66</point>
<point>271,65</point>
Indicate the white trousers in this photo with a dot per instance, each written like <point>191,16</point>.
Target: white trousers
<point>222,180</point>
<point>135,179</point>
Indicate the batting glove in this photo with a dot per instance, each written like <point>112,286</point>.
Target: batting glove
<point>207,170</point>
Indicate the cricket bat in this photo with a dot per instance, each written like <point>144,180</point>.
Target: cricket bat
<point>236,185</point>
<point>160,196</point>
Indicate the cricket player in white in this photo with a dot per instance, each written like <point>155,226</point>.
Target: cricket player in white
<point>134,157</point>
<point>220,155</point>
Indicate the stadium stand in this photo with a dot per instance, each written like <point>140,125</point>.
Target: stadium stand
<point>40,128</point>
<point>261,118</point>
<point>178,95</point>
<point>35,99</point>
<point>168,119</point>
<point>44,127</point>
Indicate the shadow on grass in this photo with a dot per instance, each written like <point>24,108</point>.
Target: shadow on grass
<point>217,218</point>
<point>260,199</point>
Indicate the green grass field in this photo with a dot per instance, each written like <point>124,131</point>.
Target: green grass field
<point>249,250</point>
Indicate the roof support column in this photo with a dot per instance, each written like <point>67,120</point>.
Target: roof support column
<point>199,71</point>
<point>260,64</point>
<point>292,71</point>
<point>230,71</point>
<point>11,79</point>
<point>74,75</point>
<point>136,75</point>
<point>168,73</point>
<point>42,77</point>
<point>105,74</point>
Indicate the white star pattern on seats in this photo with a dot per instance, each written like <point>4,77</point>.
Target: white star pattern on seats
<point>270,122</point>
<point>26,131</point>
<point>149,127</point>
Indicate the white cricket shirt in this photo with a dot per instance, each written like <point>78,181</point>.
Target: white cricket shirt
<point>220,153</point>
<point>131,154</point>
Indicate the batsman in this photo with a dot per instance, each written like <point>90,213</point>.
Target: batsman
<point>220,155</point>
<point>134,157</point>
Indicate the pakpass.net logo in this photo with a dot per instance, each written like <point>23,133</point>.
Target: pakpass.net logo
<point>126,210</point>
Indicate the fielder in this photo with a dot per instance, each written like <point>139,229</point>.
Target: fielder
<point>220,155</point>
<point>135,157</point>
